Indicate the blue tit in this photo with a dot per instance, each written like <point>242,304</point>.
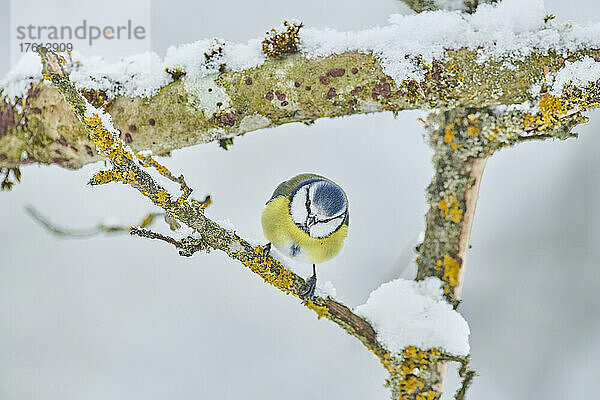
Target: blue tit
<point>306,219</point>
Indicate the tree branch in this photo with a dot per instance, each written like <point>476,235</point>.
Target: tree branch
<point>40,128</point>
<point>462,140</point>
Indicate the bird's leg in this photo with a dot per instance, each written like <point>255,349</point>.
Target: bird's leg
<point>267,249</point>
<point>311,285</point>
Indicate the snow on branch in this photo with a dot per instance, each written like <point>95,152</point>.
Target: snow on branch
<point>214,90</point>
<point>408,313</point>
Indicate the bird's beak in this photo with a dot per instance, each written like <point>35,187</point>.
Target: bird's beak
<point>310,221</point>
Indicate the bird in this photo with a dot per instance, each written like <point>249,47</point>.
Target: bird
<point>306,219</point>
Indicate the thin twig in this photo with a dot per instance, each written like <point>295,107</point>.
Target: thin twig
<point>187,246</point>
<point>84,233</point>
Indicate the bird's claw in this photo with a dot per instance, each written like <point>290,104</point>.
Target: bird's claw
<point>309,292</point>
<point>267,249</point>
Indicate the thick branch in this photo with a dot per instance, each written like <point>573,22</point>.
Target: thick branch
<point>41,128</point>
<point>462,140</point>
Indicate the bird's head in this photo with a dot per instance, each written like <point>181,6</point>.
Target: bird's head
<point>319,207</point>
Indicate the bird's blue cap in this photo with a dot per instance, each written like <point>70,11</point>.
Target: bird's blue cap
<point>328,196</point>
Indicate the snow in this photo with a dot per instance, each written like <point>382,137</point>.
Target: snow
<point>145,153</point>
<point>17,82</point>
<point>140,75</point>
<point>326,289</point>
<point>226,224</point>
<point>450,4</point>
<point>580,73</point>
<point>238,56</point>
<point>105,118</point>
<point>526,106</point>
<point>200,71</point>
<point>405,312</point>
<point>182,232</point>
<point>509,30</point>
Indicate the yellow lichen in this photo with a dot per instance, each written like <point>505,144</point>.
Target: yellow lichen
<point>279,43</point>
<point>451,270</point>
<point>410,380</point>
<point>321,311</point>
<point>450,209</point>
<point>201,205</point>
<point>162,197</point>
<point>410,385</point>
<point>270,270</point>
<point>551,110</point>
<point>98,98</point>
<point>428,395</point>
<point>449,133</point>
<point>472,131</point>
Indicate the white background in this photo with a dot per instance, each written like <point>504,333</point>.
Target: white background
<point>125,318</point>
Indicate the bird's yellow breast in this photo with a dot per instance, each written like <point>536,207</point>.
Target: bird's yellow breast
<point>288,238</point>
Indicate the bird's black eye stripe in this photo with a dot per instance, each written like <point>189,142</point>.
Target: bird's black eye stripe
<point>331,218</point>
<point>307,202</point>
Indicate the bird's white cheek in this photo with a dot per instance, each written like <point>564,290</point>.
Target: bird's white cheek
<point>298,209</point>
<point>324,229</point>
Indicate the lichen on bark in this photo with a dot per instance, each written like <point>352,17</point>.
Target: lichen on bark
<point>41,128</point>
